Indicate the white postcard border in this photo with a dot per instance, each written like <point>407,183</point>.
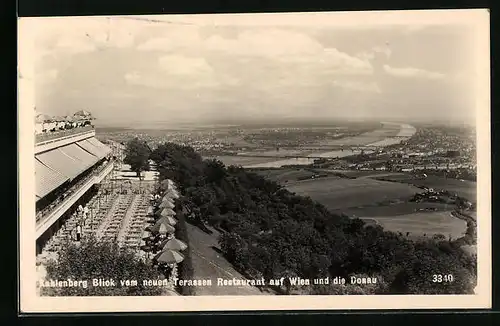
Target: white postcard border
<point>30,302</point>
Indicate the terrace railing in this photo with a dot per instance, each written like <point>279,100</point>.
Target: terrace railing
<point>71,193</point>
<point>56,135</point>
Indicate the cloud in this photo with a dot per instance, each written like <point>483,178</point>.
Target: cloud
<point>290,48</point>
<point>280,46</point>
<point>373,52</point>
<point>74,45</point>
<point>409,72</point>
<point>386,50</point>
<point>268,43</point>
<point>180,72</point>
<point>164,81</point>
<point>369,87</point>
<point>110,38</point>
<point>408,29</point>
<point>333,61</point>
<point>181,65</point>
<point>177,38</point>
<point>84,34</point>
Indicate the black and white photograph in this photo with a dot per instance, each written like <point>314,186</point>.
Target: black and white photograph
<point>315,160</point>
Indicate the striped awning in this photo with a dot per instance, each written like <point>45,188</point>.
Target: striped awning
<point>59,165</point>
<point>58,161</point>
<point>94,141</point>
<point>84,158</point>
<point>91,148</point>
<point>46,179</point>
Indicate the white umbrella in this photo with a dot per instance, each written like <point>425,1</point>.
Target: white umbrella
<point>84,115</point>
<point>168,220</point>
<point>165,184</point>
<point>146,235</point>
<point>41,118</point>
<point>173,244</point>
<point>162,228</point>
<point>171,194</point>
<point>166,204</point>
<point>167,212</point>
<point>168,197</point>
<point>169,257</point>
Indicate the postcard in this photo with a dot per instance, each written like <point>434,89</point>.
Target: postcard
<point>249,162</point>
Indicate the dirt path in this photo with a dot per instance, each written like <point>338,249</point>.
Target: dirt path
<point>210,264</point>
<point>109,216</point>
<point>379,175</point>
<point>127,218</point>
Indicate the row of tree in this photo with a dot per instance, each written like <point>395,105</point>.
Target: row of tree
<point>101,260</point>
<point>269,232</point>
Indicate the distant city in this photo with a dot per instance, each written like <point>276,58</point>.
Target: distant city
<point>443,150</point>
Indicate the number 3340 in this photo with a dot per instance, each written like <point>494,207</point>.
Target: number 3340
<point>438,278</point>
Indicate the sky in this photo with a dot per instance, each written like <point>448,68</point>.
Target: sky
<point>155,70</point>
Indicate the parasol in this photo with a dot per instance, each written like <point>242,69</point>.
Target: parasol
<point>58,119</point>
<point>173,244</point>
<point>168,198</point>
<point>83,113</point>
<point>41,118</point>
<point>167,220</point>
<point>165,184</point>
<point>169,257</point>
<point>167,212</point>
<point>170,195</point>
<point>166,204</point>
<point>162,228</point>
<point>146,235</point>
<point>173,193</point>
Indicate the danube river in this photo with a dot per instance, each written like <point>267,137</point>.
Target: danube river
<point>368,139</point>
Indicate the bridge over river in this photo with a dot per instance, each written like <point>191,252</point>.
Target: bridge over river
<point>327,152</point>
<point>338,150</point>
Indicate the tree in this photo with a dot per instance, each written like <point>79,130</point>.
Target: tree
<point>267,230</point>
<point>92,259</point>
<point>137,155</point>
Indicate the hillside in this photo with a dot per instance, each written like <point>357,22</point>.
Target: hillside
<point>266,231</point>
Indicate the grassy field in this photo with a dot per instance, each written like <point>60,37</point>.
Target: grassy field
<point>375,201</point>
<point>339,193</point>
<point>364,174</point>
<point>396,209</point>
<point>243,161</point>
<point>428,223</point>
<point>287,175</point>
<point>275,153</point>
<point>466,189</point>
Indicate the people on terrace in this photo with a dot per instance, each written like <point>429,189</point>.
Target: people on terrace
<point>48,124</point>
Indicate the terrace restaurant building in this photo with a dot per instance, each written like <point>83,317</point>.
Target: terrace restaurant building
<point>70,163</point>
